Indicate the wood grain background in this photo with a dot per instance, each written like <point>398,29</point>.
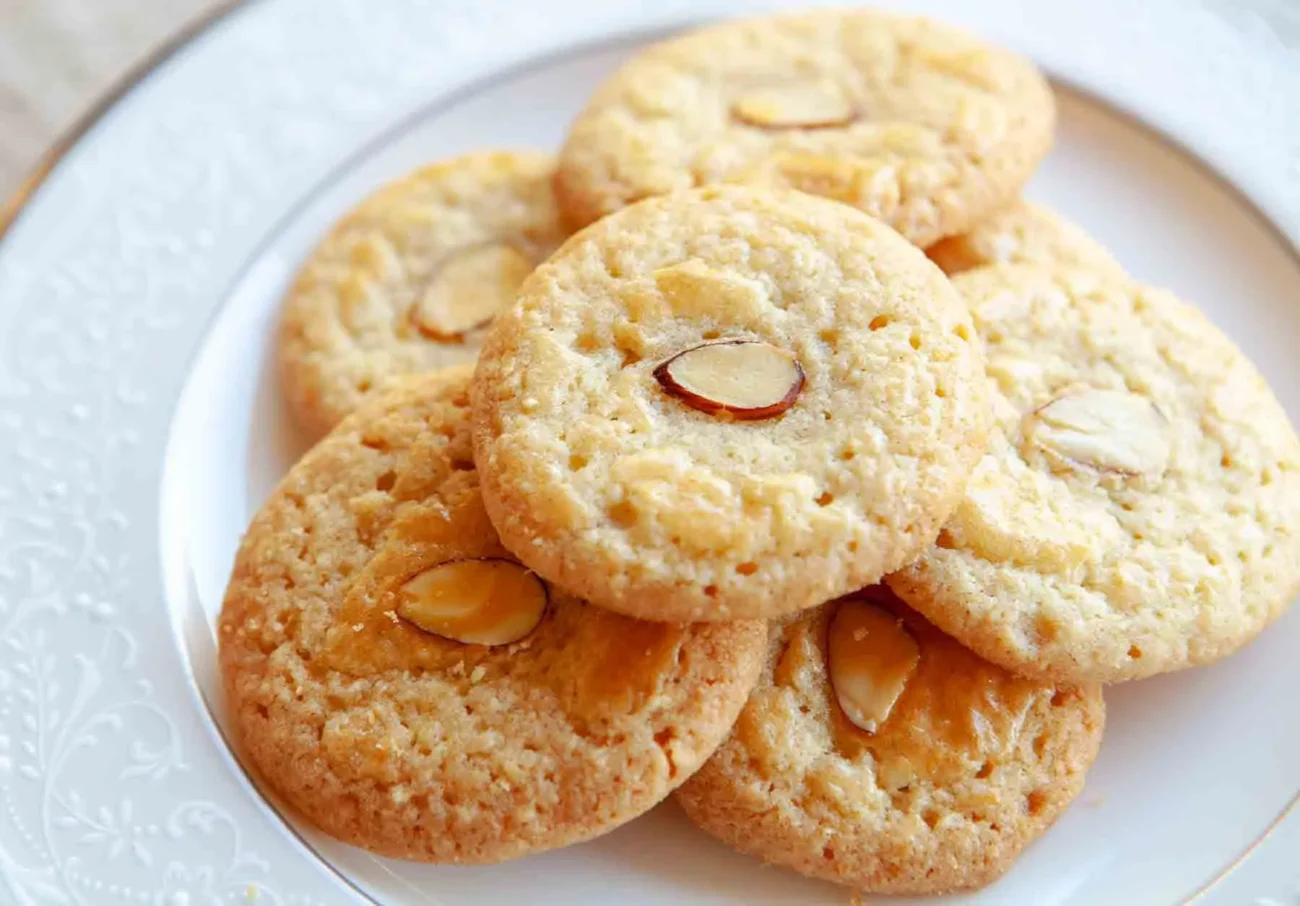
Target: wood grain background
<point>58,56</point>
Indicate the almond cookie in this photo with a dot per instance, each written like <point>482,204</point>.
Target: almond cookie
<point>728,403</point>
<point>408,280</point>
<point>1025,233</point>
<point>411,689</point>
<point>1139,510</point>
<point>917,123</point>
<point>877,752</point>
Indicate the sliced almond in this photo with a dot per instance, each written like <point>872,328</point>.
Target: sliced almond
<point>870,658</point>
<point>478,602</point>
<point>794,107</point>
<point>1107,430</point>
<point>468,289</point>
<point>748,379</point>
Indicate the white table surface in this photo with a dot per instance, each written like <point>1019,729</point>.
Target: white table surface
<point>58,56</point>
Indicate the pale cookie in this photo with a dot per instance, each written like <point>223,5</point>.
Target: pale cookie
<point>1024,233</point>
<point>728,403</point>
<point>407,282</point>
<point>407,686</point>
<point>1139,510</point>
<point>917,123</point>
<point>877,752</point>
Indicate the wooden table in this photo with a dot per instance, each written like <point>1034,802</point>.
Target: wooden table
<point>58,56</point>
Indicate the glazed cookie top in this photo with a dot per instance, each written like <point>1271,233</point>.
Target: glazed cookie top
<point>402,681</point>
<point>879,753</point>
<point>917,123</point>
<point>1024,233</point>
<point>727,403</point>
<point>1139,510</point>
<point>408,280</point>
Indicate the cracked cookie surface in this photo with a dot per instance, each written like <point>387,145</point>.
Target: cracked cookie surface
<point>419,747</point>
<point>970,765</point>
<point>611,477</point>
<point>917,123</point>
<point>1139,509</point>
<point>407,281</point>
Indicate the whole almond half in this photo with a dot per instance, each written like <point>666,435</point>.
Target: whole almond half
<point>478,602</point>
<point>1107,430</point>
<point>747,379</point>
<point>870,659</point>
<point>468,289</point>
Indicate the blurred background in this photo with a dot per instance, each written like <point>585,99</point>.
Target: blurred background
<point>58,56</point>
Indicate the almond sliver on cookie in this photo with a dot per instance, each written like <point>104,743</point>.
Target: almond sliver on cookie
<point>469,288</point>
<point>478,602</point>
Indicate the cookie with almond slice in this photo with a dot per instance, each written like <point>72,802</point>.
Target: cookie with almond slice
<point>405,683</point>
<point>729,403</point>
<point>920,124</point>
<point>1139,509</point>
<point>878,753</point>
<point>409,279</point>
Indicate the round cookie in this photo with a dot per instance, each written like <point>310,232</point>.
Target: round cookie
<point>917,123</point>
<point>727,403</point>
<point>414,745</point>
<point>408,280</point>
<point>1139,509</point>
<point>1025,233</point>
<point>877,752</point>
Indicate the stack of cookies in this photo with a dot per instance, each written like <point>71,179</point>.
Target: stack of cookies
<point>746,497</point>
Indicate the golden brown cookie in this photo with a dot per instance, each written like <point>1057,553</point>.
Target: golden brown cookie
<point>517,719</point>
<point>727,403</point>
<point>877,752</point>
<point>409,279</point>
<point>1024,233</point>
<point>919,124</point>
<point>1139,510</point>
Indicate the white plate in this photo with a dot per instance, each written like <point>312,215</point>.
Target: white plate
<point>140,426</point>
